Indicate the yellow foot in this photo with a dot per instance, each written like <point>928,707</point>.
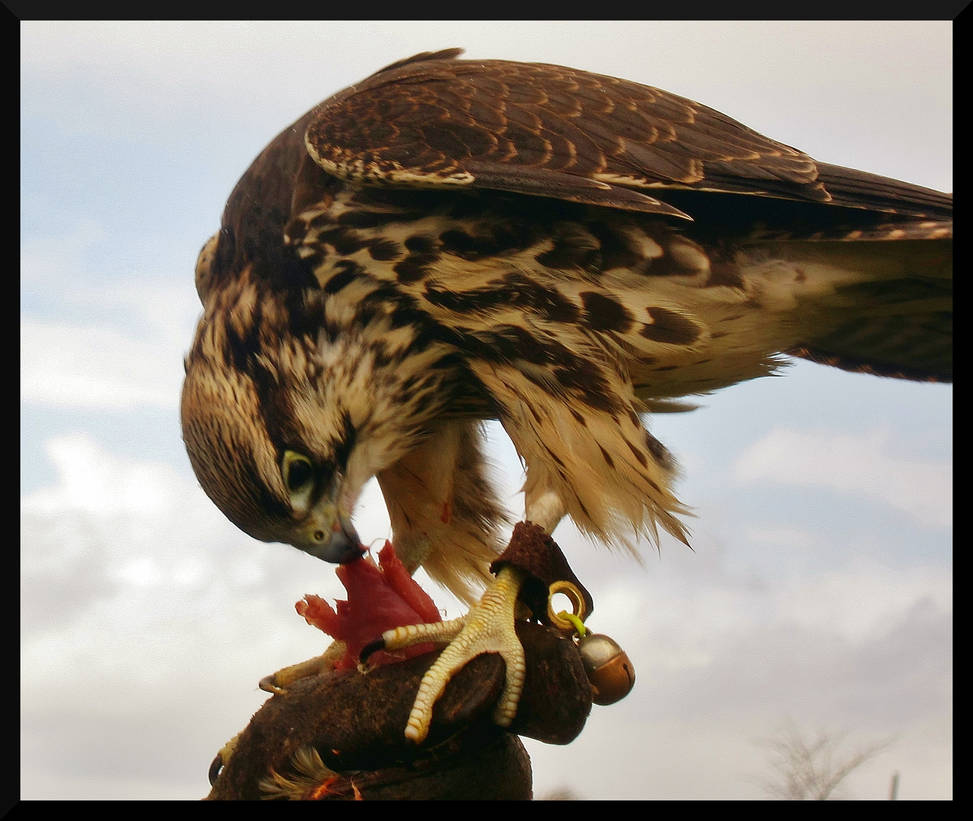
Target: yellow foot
<point>277,682</point>
<point>487,628</point>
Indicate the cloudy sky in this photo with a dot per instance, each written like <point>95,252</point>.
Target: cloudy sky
<point>819,589</point>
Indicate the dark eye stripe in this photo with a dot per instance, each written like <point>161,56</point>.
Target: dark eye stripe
<point>346,442</point>
<point>262,502</point>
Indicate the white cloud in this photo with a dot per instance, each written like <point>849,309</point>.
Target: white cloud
<point>117,342</point>
<point>862,600</point>
<point>778,538</point>
<point>50,261</point>
<point>719,665</point>
<point>96,367</point>
<point>92,480</point>
<point>853,464</point>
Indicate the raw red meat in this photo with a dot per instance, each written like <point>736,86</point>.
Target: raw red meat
<point>380,597</point>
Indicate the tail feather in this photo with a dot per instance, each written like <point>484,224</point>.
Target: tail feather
<point>899,326</point>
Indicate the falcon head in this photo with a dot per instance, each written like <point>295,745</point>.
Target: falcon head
<point>293,497</point>
<point>277,479</point>
<point>278,425</point>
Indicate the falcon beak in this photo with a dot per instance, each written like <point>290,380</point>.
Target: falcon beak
<point>329,535</point>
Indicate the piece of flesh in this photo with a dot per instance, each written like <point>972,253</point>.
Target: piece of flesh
<point>381,596</point>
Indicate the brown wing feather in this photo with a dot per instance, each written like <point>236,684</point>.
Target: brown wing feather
<point>546,130</point>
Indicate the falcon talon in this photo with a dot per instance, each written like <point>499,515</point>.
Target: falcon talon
<point>268,685</point>
<point>215,768</point>
<point>220,760</point>
<point>368,650</point>
<point>487,628</point>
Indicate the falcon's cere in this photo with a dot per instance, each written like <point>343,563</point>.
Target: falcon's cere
<point>452,241</point>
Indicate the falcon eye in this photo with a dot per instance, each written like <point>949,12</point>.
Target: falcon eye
<point>298,474</point>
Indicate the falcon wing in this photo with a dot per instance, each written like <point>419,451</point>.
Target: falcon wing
<point>558,132</point>
<point>437,122</point>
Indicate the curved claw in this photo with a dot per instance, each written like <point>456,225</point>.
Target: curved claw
<point>215,768</point>
<point>269,685</point>
<point>369,649</point>
<point>276,683</point>
<point>487,628</point>
<point>221,759</point>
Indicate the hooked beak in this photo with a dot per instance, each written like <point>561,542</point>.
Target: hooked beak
<point>329,535</point>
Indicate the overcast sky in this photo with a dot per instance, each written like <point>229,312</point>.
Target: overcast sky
<point>819,589</point>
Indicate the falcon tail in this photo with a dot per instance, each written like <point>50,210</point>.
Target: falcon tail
<point>903,322</point>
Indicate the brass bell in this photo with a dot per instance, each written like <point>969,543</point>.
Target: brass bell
<point>609,670</point>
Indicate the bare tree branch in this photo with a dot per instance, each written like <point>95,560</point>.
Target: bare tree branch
<point>812,768</point>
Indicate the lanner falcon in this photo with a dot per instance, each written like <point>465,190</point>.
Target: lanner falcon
<point>451,241</point>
